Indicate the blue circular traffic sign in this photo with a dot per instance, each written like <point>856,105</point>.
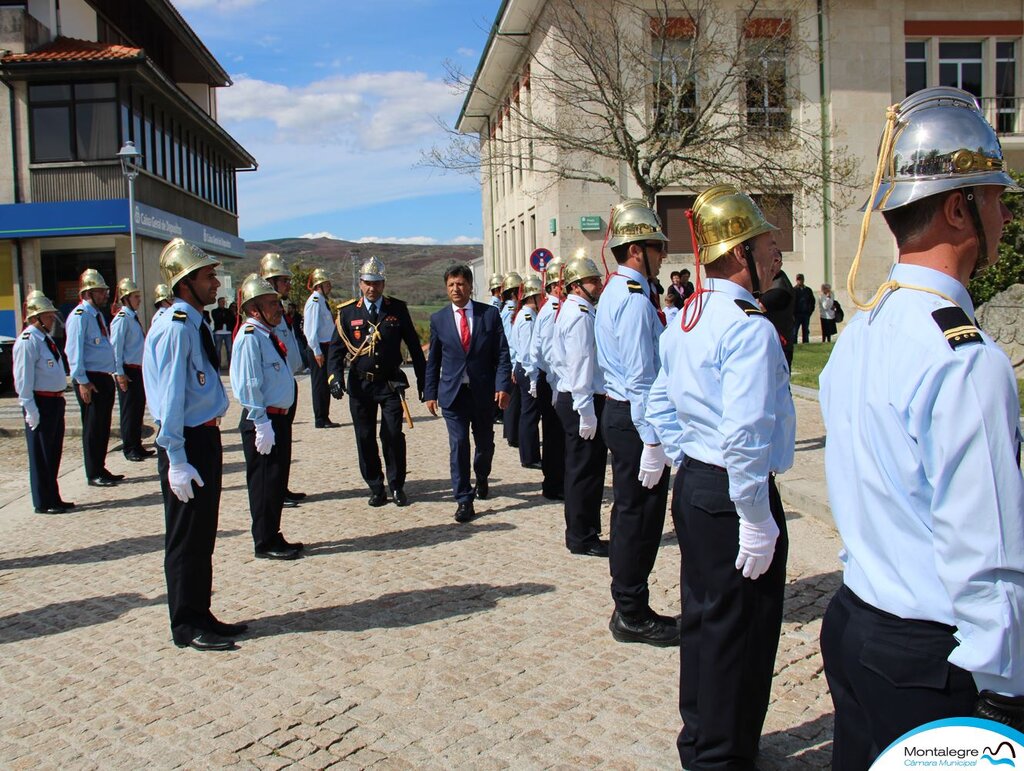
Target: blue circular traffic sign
<point>540,259</point>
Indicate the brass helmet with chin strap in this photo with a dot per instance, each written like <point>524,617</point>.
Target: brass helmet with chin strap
<point>724,219</point>
<point>494,282</point>
<point>580,268</point>
<point>317,277</point>
<point>373,270</point>
<point>37,303</point>
<point>254,286</point>
<point>126,287</point>
<point>91,279</point>
<point>633,220</point>
<point>553,271</point>
<point>179,258</point>
<point>272,266</point>
<point>531,287</point>
<point>511,280</point>
<point>161,293</point>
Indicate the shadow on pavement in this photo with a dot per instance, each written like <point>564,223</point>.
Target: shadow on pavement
<point>808,745</point>
<point>60,617</point>
<point>807,597</point>
<point>414,537</point>
<point>101,552</point>
<point>811,444</point>
<point>398,609</point>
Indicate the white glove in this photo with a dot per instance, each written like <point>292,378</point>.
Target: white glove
<point>180,479</point>
<point>757,547</point>
<point>588,426</point>
<point>264,438</point>
<point>652,464</point>
<point>32,416</point>
<point>533,388</point>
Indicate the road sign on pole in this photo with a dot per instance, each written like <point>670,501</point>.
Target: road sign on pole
<point>540,259</point>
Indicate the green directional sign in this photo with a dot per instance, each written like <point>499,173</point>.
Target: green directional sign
<point>590,222</point>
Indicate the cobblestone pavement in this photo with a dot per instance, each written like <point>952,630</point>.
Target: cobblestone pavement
<point>402,640</point>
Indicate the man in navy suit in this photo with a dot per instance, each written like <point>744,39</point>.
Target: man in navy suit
<point>468,372</point>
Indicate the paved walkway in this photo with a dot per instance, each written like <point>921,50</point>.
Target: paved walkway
<point>402,641</point>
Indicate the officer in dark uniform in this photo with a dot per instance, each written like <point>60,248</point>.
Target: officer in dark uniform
<point>368,337</point>
<point>40,380</point>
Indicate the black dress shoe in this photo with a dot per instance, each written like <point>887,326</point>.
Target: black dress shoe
<point>283,544</point>
<point>465,512</point>
<point>331,424</point>
<point>138,456</point>
<point>400,498</point>
<point>53,510</point>
<point>228,630</point>
<point>534,466</point>
<point>482,490</point>
<point>278,553</point>
<point>599,549</point>
<point>554,496</point>
<point>112,477</point>
<point>651,629</point>
<point>290,496</point>
<point>102,482</point>
<point>378,499</point>
<point>65,504</point>
<point>287,504</point>
<point>208,641</point>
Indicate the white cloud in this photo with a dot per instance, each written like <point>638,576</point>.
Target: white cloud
<point>322,234</point>
<point>407,240</point>
<point>466,240</point>
<point>469,53</point>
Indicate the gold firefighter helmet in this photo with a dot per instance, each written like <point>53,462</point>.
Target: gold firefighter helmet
<point>272,266</point>
<point>495,281</point>
<point>531,287</point>
<point>37,303</point>
<point>633,220</point>
<point>553,271</point>
<point>91,279</point>
<point>126,287</point>
<point>725,218</point>
<point>318,277</point>
<point>511,280</point>
<point>162,292</point>
<point>179,258</point>
<point>579,269</point>
<point>254,286</point>
<point>373,270</point>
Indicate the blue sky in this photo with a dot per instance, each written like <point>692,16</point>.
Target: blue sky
<point>336,100</point>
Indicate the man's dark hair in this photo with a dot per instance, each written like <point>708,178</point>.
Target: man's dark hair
<point>220,300</point>
<point>675,273</point>
<point>620,253</point>
<point>685,272</point>
<point>910,221</point>
<point>799,276</point>
<point>459,271</point>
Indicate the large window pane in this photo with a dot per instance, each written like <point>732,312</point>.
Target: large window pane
<point>960,51</point>
<point>95,91</point>
<point>49,93</point>
<point>916,66</point>
<point>96,130</point>
<point>51,134</point>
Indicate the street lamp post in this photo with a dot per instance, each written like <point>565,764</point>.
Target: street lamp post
<point>130,158</point>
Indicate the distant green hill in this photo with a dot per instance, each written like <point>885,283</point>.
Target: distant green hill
<point>415,273</point>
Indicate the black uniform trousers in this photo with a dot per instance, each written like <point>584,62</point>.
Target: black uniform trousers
<point>133,407</point>
<point>464,414</point>
<point>730,627</point>
<point>191,534</point>
<point>887,675</point>
<point>96,417</point>
<point>510,418</point>
<point>266,478</point>
<point>45,448</point>
<point>286,451</point>
<point>364,400</point>
<point>638,515</point>
<point>585,462</point>
<point>529,420</point>
<point>318,386</point>
<point>553,449</point>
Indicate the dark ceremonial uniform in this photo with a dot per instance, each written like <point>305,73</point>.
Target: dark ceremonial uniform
<point>368,340</point>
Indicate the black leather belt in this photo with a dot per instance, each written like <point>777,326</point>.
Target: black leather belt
<point>694,463</point>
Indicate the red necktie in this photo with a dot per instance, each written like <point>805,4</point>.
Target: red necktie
<point>657,307</point>
<point>282,349</point>
<point>102,323</point>
<point>464,329</point>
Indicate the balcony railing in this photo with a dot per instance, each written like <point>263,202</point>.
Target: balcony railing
<point>1004,113</point>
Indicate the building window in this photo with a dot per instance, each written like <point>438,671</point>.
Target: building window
<point>960,66</point>
<point>916,52</point>
<point>767,103</point>
<point>73,122</point>
<point>1006,87</point>
<point>673,82</point>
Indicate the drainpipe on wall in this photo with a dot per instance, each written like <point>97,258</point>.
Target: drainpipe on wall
<point>826,149</point>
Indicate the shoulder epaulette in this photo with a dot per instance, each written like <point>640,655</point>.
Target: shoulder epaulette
<point>316,298</point>
<point>120,314</point>
<point>390,299</point>
<point>584,308</point>
<point>249,329</point>
<point>749,308</point>
<point>346,303</point>
<point>26,335</point>
<point>179,316</point>
<point>956,326</point>
<point>634,287</point>
<point>527,316</point>
<point>79,311</point>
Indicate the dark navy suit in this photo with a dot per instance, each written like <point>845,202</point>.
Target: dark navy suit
<point>467,405</point>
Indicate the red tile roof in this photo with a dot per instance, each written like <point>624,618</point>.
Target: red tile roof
<point>66,49</point>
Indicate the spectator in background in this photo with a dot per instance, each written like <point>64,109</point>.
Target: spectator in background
<point>778,302</point>
<point>673,302</point>
<point>827,311</point>
<point>223,326</point>
<point>803,309</point>
<point>686,284</point>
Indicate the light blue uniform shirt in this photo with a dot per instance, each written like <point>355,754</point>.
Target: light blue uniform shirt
<point>183,387</point>
<point>921,461</point>
<point>574,350</point>
<point>495,302</point>
<point>127,339</point>
<point>522,334</point>
<point>35,366</point>
<point>540,346</point>
<point>628,328</point>
<point>260,378</point>
<point>507,313</point>
<point>157,314</point>
<point>287,336</point>
<point>317,322</point>
<point>722,396</point>
<point>88,349</point>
